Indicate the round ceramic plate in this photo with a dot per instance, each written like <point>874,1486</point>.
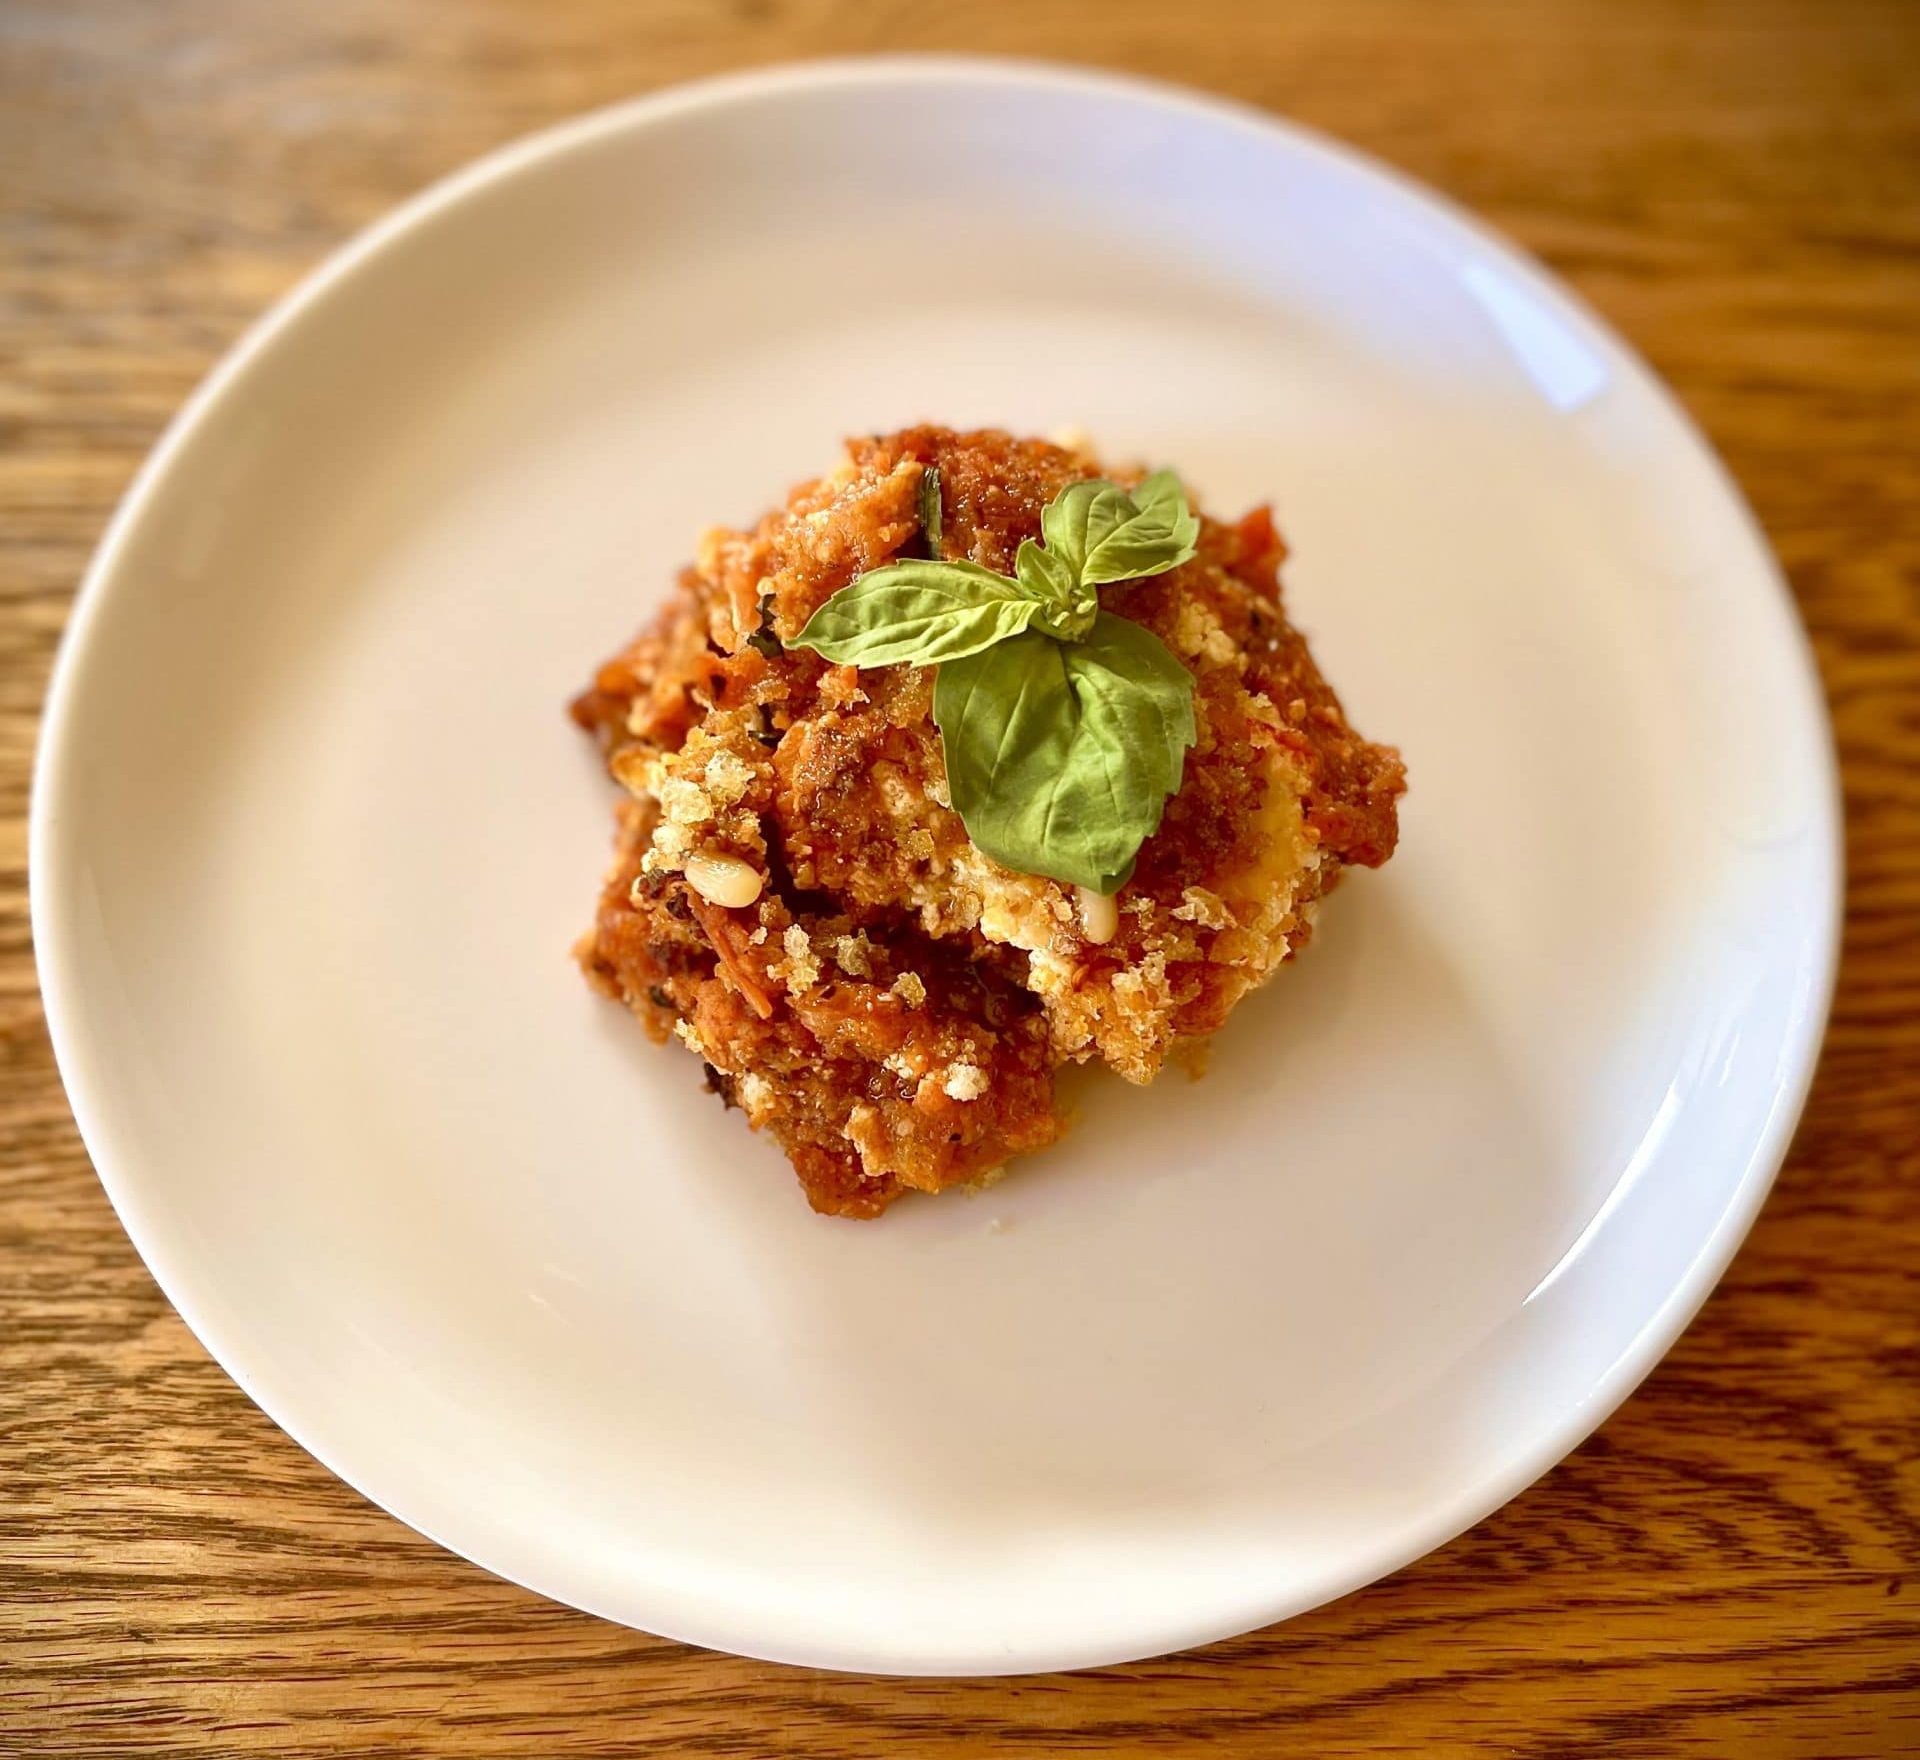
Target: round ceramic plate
<point>312,837</point>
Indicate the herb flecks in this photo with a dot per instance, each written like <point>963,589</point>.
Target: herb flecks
<point>763,639</point>
<point>1065,727</point>
<point>930,509</point>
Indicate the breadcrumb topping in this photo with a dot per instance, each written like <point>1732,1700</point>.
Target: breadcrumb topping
<point>965,1081</point>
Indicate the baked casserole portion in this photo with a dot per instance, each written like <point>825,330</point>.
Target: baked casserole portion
<point>794,896</point>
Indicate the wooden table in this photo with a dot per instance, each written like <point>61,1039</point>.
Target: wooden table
<point>1732,1566</point>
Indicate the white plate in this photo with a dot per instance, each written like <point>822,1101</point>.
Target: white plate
<point>312,836</point>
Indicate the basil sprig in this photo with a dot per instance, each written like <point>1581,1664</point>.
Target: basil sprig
<point>1065,727</point>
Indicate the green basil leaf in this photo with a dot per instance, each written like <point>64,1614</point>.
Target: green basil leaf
<point>1061,755</point>
<point>1044,574</point>
<point>1070,607</point>
<point>1077,521</point>
<point>1106,534</point>
<point>1151,695</point>
<point>921,613</point>
<point>1163,503</point>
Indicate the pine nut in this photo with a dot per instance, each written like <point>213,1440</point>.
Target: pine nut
<point>1099,916</point>
<point>724,880</point>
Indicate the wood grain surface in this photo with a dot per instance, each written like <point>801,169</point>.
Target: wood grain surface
<point>1731,1567</point>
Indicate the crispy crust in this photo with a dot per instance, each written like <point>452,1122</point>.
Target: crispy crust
<point>893,1006</point>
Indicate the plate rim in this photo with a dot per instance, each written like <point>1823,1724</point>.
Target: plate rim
<point>50,861</point>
